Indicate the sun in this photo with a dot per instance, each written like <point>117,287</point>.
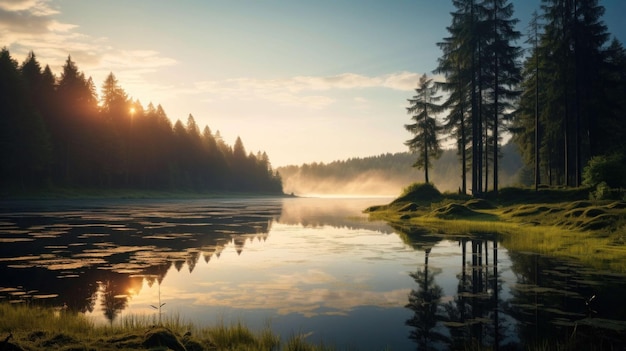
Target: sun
<point>132,110</point>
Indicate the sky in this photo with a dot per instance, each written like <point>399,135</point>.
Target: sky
<point>303,80</point>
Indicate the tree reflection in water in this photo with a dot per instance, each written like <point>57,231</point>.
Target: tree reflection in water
<point>427,312</point>
<point>114,299</point>
<point>474,316</point>
<point>102,249</point>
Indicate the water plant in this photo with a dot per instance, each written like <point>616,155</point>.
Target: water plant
<point>160,305</point>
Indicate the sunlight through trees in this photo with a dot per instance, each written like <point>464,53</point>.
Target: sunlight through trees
<point>56,132</point>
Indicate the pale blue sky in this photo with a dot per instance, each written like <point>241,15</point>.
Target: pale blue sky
<point>304,81</point>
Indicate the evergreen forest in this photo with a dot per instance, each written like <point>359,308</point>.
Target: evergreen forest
<point>56,132</point>
<point>387,174</point>
<point>561,97</point>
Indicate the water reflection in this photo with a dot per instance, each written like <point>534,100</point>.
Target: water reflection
<point>563,299</point>
<point>538,301</point>
<point>425,302</point>
<point>471,315</point>
<point>311,266</point>
<point>80,252</point>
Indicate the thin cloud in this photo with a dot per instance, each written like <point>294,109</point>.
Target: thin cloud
<point>292,296</point>
<point>27,25</point>
<point>303,90</point>
<point>38,7</point>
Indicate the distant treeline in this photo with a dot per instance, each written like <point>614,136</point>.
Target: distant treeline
<point>387,174</point>
<point>56,132</point>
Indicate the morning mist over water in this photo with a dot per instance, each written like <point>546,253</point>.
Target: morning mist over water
<point>387,174</point>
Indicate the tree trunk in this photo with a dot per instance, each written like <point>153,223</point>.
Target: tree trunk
<point>475,128</point>
<point>495,102</point>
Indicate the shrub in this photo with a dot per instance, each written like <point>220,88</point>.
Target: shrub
<point>609,169</point>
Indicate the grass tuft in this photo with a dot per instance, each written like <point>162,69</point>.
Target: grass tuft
<point>36,328</point>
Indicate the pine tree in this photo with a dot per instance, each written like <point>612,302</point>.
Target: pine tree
<point>422,108</point>
<point>457,72</point>
<point>611,114</point>
<point>110,145</point>
<point>528,125</point>
<point>570,51</point>
<point>504,72</point>
<point>76,108</point>
<point>463,65</point>
<point>114,103</point>
<point>24,143</point>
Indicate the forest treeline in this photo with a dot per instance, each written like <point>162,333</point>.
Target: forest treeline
<point>387,174</point>
<point>562,98</point>
<point>57,132</point>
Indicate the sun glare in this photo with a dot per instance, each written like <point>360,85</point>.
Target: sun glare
<point>132,110</point>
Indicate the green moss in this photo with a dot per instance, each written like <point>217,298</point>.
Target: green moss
<point>419,193</point>
<point>479,204</point>
<point>410,207</point>
<point>453,211</point>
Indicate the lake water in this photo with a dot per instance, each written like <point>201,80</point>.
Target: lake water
<point>310,266</point>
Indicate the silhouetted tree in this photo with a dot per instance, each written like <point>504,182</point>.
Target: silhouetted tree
<point>462,64</point>
<point>503,70</point>
<point>422,108</point>
<point>24,143</point>
<point>57,133</point>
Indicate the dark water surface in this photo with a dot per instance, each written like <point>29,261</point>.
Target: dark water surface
<point>307,266</point>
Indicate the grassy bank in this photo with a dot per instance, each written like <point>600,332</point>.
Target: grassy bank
<point>556,222</point>
<point>38,328</point>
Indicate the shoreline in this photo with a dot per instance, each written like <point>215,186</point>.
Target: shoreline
<point>559,223</point>
<point>131,194</point>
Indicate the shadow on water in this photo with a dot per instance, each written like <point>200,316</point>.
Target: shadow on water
<point>539,302</point>
<point>76,253</point>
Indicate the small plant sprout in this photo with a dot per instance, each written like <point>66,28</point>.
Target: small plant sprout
<point>160,305</point>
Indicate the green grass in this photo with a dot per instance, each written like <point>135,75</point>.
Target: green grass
<point>36,328</point>
<point>556,222</point>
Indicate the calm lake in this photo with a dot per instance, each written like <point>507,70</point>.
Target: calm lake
<point>310,266</point>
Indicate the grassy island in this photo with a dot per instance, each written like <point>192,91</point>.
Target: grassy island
<point>556,222</point>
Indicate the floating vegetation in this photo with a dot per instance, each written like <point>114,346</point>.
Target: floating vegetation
<point>65,264</point>
<point>45,296</point>
<point>15,240</point>
<point>92,235</point>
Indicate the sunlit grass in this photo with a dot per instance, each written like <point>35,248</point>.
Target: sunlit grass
<point>35,328</point>
<point>560,223</point>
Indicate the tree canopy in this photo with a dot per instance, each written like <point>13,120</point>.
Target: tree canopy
<point>562,101</point>
<point>56,132</point>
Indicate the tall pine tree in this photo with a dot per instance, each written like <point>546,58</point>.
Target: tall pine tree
<point>423,107</point>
